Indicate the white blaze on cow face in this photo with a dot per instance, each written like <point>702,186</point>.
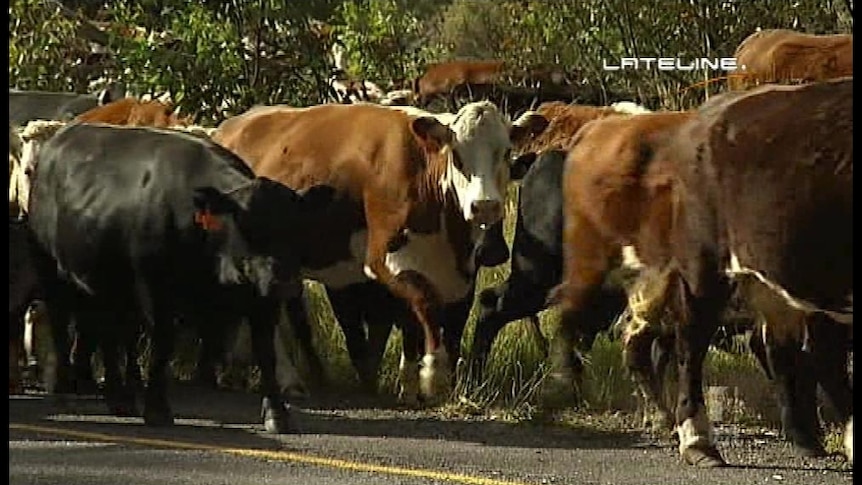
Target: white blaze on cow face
<point>479,164</point>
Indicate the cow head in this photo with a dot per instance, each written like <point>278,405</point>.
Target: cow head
<point>31,140</point>
<point>479,168</point>
<point>261,224</point>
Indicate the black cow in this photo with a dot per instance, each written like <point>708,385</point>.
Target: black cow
<point>164,225</point>
<point>26,106</point>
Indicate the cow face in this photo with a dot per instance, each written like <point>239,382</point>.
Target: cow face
<point>32,138</point>
<point>480,166</point>
<point>262,225</point>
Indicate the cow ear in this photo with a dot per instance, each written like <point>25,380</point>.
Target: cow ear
<point>211,205</point>
<point>527,125</point>
<point>521,165</point>
<point>432,133</point>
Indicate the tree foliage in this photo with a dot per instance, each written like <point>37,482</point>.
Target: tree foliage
<point>218,58</point>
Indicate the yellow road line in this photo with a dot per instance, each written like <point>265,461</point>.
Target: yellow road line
<point>271,455</point>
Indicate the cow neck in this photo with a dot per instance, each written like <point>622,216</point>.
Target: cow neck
<point>459,233</point>
<point>439,210</point>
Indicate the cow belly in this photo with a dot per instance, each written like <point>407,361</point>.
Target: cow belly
<point>432,257</point>
<point>343,273</point>
<point>429,255</point>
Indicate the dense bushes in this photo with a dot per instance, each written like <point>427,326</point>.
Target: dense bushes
<point>218,58</point>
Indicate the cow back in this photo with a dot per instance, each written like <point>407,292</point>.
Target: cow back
<point>778,163</point>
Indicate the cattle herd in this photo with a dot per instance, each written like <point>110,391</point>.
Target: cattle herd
<point>126,219</point>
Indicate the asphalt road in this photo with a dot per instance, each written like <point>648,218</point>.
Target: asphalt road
<point>218,440</point>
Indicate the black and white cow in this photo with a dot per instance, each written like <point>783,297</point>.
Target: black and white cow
<point>163,225</point>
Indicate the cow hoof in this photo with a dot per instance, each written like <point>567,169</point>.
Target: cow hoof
<point>158,417</point>
<point>703,457</point>
<point>434,377</point>
<point>276,417</point>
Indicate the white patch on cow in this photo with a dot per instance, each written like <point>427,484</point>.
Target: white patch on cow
<point>432,256</point>
<point>736,269</point>
<point>397,97</point>
<point>347,272</point>
<point>848,440</point>
<point>204,132</point>
<point>434,372</point>
<point>631,259</point>
<point>630,108</point>
<point>408,380</point>
<point>696,431</point>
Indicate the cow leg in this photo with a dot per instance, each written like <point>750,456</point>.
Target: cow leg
<point>384,226</point>
<point>347,306</point>
<point>380,315</point>
<point>455,316</point>
<point>497,307</point>
<point>99,327</point>
<point>646,354</point>
<point>15,386</point>
<point>84,345</point>
<point>59,376</point>
<point>31,329</point>
<point>299,320</point>
<point>697,321</point>
<point>794,375</point>
<point>586,264</point>
<point>830,342</point>
<point>274,408</point>
<point>160,316</point>
<point>408,367</point>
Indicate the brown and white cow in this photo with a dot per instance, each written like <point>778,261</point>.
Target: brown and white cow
<point>755,186</point>
<point>781,55</point>
<point>422,185</point>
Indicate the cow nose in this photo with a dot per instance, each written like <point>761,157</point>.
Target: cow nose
<point>486,212</point>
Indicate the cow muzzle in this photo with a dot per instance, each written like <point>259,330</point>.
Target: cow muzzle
<point>486,212</point>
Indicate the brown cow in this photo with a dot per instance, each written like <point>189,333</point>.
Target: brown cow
<point>565,121</point>
<point>756,186</point>
<point>443,77</point>
<point>614,194</point>
<point>780,55</point>
<point>419,182</point>
<point>134,112</point>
